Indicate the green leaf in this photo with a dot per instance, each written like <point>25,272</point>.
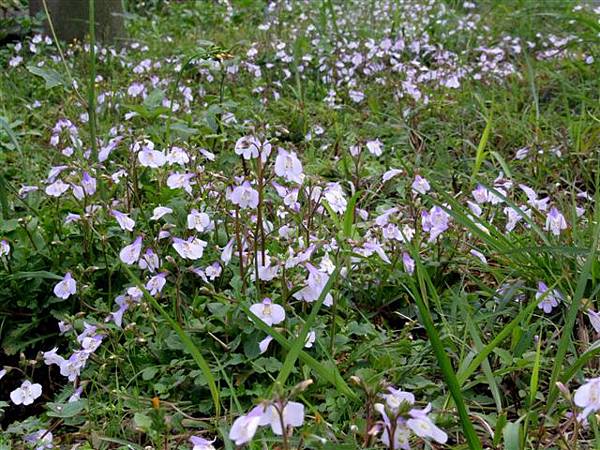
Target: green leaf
<point>154,99</point>
<point>51,76</point>
<point>480,155</point>
<point>11,135</point>
<point>182,130</point>
<point>66,410</point>
<point>142,421</point>
<point>511,434</point>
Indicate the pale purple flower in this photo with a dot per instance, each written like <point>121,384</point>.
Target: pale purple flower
<point>159,212</point>
<point>199,443</point>
<point>409,263</point>
<point>594,319</point>
<point>356,96</point>
<point>424,427</point>
<point>41,439</point>
<point>71,217</point>
<point>334,194</point>
<point>76,395</point>
<point>227,252</point>
<point>4,248</point>
<point>266,271</point>
<point>532,197</point>
<point>57,188</point>
<point>248,147</point>
<point>199,221</point>
<point>131,253</point>
<point>587,397</point>
<point>375,147</point>
<point>391,174</point>
<point>124,221</point>
<point>152,158</point>
<point>479,255</point>
<point>555,222</point>
<point>291,416</point>
<point>264,344</point>
<point>149,260</point>
<point>213,271</point>
<point>136,89</point>
<point>481,194</point>
<point>51,357</point>
<point>513,217</point>
<point>192,248</point>
<point>547,300</point>
<point>420,185</point>
<point>156,283</point>
<point>435,222</point>
<point>244,427</point>
<point>179,180</point>
<point>269,312</point>
<point>71,368</point>
<point>311,337</point>
<point>177,155</point>
<point>88,183</point>
<point>315,284</point>
<point>244,196</point>
<point>2,373</point>
<point>26,394</point>
<point>65,288</point>
<point>288,166</point>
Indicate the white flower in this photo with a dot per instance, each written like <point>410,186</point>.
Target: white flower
<point>200,443</point>
<point>124,221</point>
<point>248,147</point>
<point>555,222</point>
<point>293,416</point>
<point>588,397</point>
<point>311,337</point>
<point>335,197</point>
<point>264,344</point>
<point>244,196</point>
<point>131,253</point>
<point>420,185</point>
<point>57,188</point>
<point>375,147</point>
<point>152,158</point>
<point>288,166</point>
<point>160,211</point>
<point>65,288</point>
<point>26,394</point>
<point>198,221</point>
<point>244,427</point>
<point>192,249</point>
<point>4,248</point>
<point>268,312</point>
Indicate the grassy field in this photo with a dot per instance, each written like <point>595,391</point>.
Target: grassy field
<point>304,224</point>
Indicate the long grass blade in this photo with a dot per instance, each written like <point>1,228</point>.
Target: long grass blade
<point>185,339</point>
<point>420,294</point>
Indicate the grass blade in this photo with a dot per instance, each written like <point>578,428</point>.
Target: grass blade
<point>185,339</point>
<point>329,374</point>
<point>420,294</point>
